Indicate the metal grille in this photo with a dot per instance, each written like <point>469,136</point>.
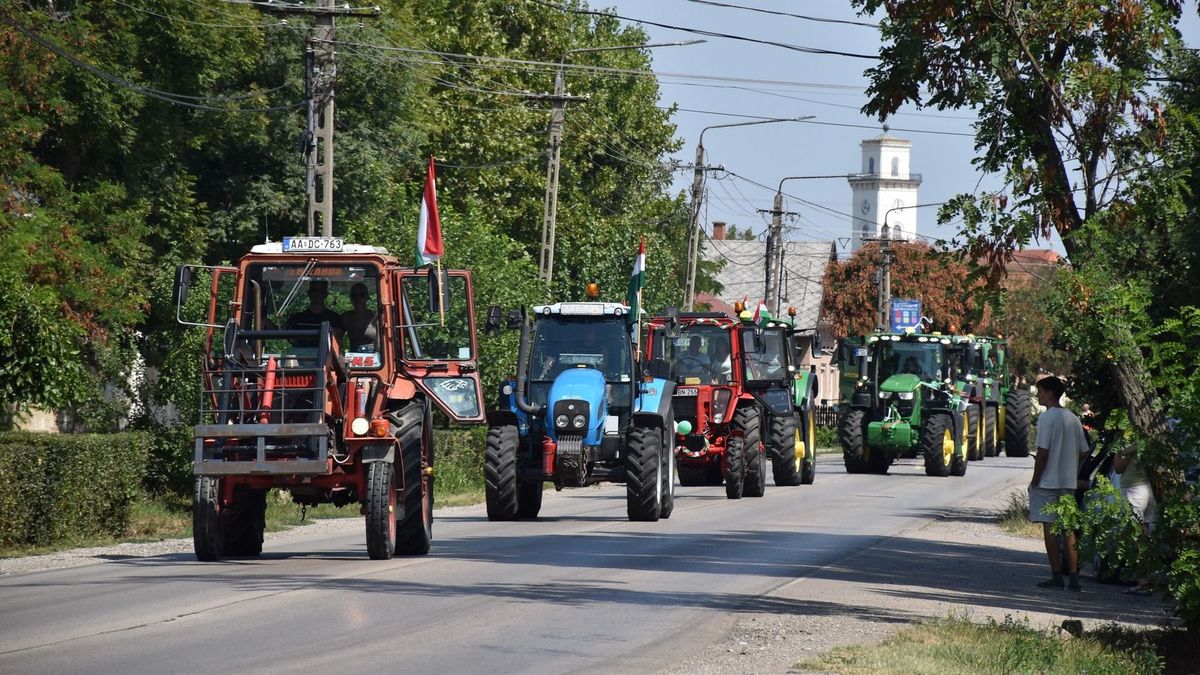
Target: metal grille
<point>684,408</point>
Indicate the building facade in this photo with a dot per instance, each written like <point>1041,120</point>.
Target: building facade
<point>884,191</point>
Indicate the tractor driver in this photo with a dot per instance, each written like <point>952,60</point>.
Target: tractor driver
<point>316,314</point>
<point>911,365</point>
<point>693,361</point>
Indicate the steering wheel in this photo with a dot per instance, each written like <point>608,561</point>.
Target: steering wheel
<point>696,365</point>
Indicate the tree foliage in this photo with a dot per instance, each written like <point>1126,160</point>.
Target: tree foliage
<point>105,186</point>
<point>950,297</point>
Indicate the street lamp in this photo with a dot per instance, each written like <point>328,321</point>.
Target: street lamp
<point>559,99</point>
<point>774,257</point>
<point>689,292</point>
<point>885,278</point>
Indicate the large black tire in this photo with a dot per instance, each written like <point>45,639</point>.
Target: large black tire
<point>414,530</point>
<point>643,474</point>
<point>529,499</point>
<point>782,435</point>
<point>382,508</point>
<point>808,433</point>
<point>974,447</point>
<point>990,448</point>
<point>735,467</point>
<point>500,473</point>
<point>208,533</point>
<point>245,522</point>
<point>937,444</point>
<point>853,441</point>
<point>747,421</point>
<point>1018,418</point>
<point>668,458</point>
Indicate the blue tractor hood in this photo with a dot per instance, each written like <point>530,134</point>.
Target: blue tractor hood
<point>580,384</point>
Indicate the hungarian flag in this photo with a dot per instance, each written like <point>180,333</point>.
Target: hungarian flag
<point>761,313</point>
<point>429,227</point>
<point>637,281</point>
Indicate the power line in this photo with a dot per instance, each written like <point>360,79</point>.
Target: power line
<point>760,10</point>
<point>709,33</point>
<point>183,100</point>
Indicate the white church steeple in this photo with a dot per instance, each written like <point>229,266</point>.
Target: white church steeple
<point>884,184</point>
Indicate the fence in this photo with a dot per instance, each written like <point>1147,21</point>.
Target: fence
<point>825,416</point>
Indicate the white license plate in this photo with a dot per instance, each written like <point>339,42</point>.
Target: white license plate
<point>312,244</point>
<point>687,391</point>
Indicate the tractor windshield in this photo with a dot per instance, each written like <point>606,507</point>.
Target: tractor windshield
<point>764,355</point>
<point>303,296</point>
<point>563,342</point>
<point>923,359</point>
<point>701,352</point>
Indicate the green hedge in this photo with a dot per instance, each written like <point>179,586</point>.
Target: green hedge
<point>53,486</point>
<point>459,459</point>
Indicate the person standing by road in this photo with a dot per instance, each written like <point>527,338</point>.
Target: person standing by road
<point>1060,443</point>
<point>1135,486</point>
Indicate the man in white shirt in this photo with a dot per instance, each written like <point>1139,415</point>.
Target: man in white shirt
<point>1060,442</point>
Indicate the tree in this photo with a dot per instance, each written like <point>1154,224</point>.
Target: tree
<point>949,296</point>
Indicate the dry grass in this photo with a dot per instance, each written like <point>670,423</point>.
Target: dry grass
<point>1014,516</point>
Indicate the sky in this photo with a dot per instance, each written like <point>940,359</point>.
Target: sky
<point>829,87</point>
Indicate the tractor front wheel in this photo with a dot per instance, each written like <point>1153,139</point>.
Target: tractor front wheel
<point>643,474</point>
<point>382,505</point>
<point>784,442</point>
<point>748,420</point>
<point>989,432</point>
<point>974,447</point>
<point>208,535</point>
<point>850,437</point>
<point>735,467</point>
<point>937,444</point>
<point>500,473</point>
<point>245,521</point>
<point>529,498</point>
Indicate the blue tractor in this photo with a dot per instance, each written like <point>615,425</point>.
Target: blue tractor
<point>581,410</point>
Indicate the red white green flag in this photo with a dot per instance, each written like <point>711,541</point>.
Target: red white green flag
<point>429,226</point>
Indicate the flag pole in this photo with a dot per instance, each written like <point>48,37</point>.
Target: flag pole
<point>441,293</point>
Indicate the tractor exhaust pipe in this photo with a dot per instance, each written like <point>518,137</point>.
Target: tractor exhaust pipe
<point>523,371</point>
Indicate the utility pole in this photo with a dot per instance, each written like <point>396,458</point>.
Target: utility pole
<point>885,280</point>
<point>320,74</point>
<point>559,99</point>
<point>772,287</point>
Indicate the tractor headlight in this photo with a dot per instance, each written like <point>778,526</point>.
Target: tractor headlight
<point>561,421</point>
<point>720,403</point>
<point>906,396</point>
<point>579,421</point>
<point>884,394</point>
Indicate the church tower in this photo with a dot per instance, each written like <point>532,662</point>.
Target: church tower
<point>882,187</point>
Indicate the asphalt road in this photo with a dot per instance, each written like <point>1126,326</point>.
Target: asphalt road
<point>580,589</point>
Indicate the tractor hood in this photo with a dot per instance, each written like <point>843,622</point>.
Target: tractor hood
<point>585,385</point>
<point>901,382</point>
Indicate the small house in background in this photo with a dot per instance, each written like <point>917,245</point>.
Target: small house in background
<point>743,278</point>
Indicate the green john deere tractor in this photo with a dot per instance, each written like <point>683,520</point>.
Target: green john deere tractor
<point>1009,406</point>
<point>899,398</point>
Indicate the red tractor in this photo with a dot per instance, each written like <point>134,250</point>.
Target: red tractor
<point>728,374</point>
<point>322,365</point>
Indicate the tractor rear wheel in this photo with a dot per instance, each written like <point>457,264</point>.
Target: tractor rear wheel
<point>643,474</point>
<point>784,438</point>
<point>735,467</point>
<point>748,420</point>
<point>1018,413</point>
<point>690,476</point>
<point>245,521</point>
<point>989,432</point>
<point>937,444</point>
<point>974,447</point>
<point>500,473</point>
<point>207,532</point>
<point>382,509</point>
<point>529,498</point>
<point>850,437</point>
<point>414,530</point>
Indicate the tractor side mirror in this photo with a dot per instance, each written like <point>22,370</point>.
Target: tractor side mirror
<point>659,369</point>
<point>492,325</point>
<point>183,281</point>
<point>816,346</point>
<point>439,290</point>
<point>516,317</point>
<point>673,329</point>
